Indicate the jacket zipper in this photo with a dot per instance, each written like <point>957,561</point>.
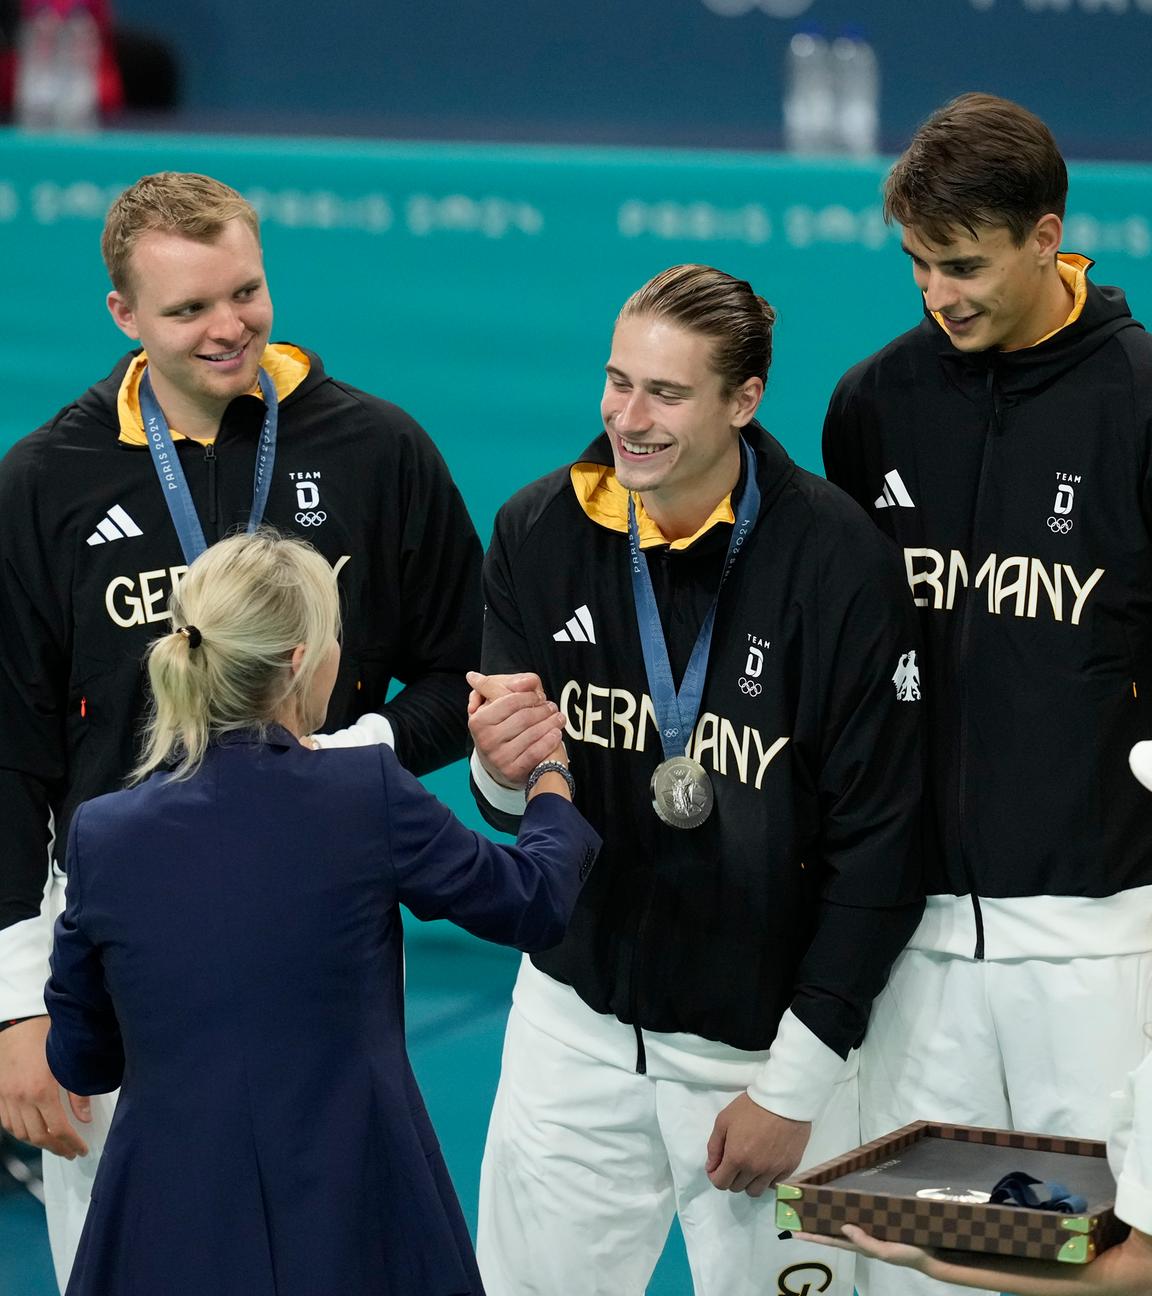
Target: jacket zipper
<point>991,431</point>
<point>210,460</point>
<point>641,927</point>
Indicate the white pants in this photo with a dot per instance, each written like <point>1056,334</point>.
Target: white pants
<point>68,1184</point>
<point>587,1162</point>
<point>1028,1044</point>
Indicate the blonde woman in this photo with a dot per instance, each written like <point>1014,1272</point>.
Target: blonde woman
<point>231,957</point>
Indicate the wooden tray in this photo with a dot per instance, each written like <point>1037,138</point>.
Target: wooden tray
<point>922,1185</point>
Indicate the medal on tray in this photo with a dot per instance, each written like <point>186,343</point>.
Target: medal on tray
<point>682,794</point>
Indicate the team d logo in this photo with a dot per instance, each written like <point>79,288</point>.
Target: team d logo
<point>907,678</point>
<point>308,510</point>
<point>750,684</point>
<point>1060,521</point>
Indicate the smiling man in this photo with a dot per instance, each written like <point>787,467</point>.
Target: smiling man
<point>206,429</point>
<point>722,631</point>
<point>1005,445</point>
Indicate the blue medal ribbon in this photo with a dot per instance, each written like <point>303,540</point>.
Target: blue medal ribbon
<point>166,461</point>
<point>1018,1188</point>
<point>676,712</point>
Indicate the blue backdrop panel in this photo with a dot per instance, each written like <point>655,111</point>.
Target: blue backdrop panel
<point>708,71</point>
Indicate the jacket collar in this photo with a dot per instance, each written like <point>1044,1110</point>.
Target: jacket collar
<point>100,406</point>
<point>272,735</point>
<point>605,501</point>
<point>288,366</point>
<point>1097,316</point>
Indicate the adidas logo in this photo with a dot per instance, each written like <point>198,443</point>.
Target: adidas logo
<point>116,525</point>
<point>895,493</point>
<point>578,628</point>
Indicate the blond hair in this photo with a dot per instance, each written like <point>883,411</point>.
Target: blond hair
<point>717,305</point>
<point>240,611</point>
<point>173,202</point>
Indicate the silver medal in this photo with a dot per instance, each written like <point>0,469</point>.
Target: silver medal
<point>681,792</point>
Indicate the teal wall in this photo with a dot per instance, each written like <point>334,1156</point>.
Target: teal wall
<point>477,286</point>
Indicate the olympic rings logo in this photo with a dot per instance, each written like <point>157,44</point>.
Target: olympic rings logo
<point>312,519</point>
<point>750,688</point>
<point>1060,525</point>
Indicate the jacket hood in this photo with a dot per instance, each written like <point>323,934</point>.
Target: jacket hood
<point>605,501</point>
<point>1098,315</point>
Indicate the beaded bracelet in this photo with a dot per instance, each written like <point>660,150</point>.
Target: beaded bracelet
<point>550,767</point>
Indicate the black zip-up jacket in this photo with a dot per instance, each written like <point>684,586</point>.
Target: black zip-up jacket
<point>1017,485</point>
<point>804,883</point>
<point>353,475</point>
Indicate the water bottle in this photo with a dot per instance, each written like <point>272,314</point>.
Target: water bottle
<point>78,71</point>
<point>36,89</point>
<point>809,101</point>
<point>857,90</point>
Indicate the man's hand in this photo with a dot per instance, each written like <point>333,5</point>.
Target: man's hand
<point>512,724</point>
<point>752,1148</point>
<point>30,1106</point>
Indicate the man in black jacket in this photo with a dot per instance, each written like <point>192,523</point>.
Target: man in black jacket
<point>1005,445</point>
<point>734,655</point>
<point>206,430</point>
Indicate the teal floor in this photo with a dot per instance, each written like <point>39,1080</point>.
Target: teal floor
<point>458,995</point>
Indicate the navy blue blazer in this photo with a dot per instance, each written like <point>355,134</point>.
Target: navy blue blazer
<point>231,955</point>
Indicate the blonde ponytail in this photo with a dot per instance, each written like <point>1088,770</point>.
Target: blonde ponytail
<point>241,610</point>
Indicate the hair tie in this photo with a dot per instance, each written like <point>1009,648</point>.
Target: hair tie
<point>194,637</point>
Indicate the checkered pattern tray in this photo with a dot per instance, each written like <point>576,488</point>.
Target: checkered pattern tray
<point>875,1186</point>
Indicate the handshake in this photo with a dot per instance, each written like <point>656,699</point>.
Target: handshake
<point>514,727</point>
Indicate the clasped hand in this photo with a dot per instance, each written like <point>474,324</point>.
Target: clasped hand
<point>513,725</point>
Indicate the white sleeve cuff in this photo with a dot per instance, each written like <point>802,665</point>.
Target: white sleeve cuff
<point>370,728</point>
<point>499,797</point>
<point>24,950</point>
<point>797,1078</point>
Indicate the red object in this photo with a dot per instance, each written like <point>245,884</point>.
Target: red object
<point>111,88</point>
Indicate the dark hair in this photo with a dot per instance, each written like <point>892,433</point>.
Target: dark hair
<point>978,161</point>
<point>715,304</point>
